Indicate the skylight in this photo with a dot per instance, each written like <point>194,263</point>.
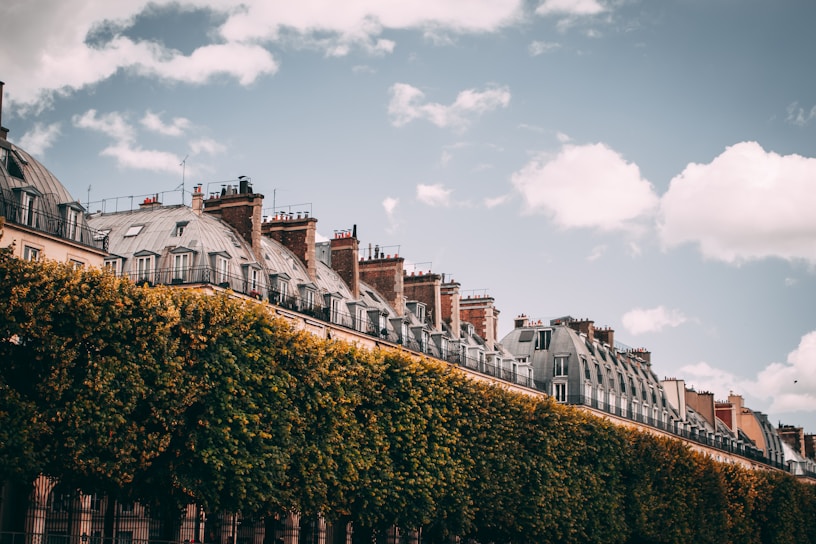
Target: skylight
<point>134,230</point>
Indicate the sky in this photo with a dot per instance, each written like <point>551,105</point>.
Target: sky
<point>650,165</point>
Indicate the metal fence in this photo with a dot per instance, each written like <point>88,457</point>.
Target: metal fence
<point>54,225</point>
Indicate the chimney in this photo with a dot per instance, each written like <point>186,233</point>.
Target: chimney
<point>606,336</point>
<point>426,288</point>
<point>297,234</point>
<point>344,259</point>
<point>727,413</point>
<point>3,130</point>
<point>241,210</point>
<point>150,202</point>
<point>521,321</point>
<point>385,274</point>
<point>483,315</point>
<point>675,391</point>
<point>644,354</point>
<point>198,200</point>
<point>450,306</point>
<point>586,326</point>
<point>703,404</point>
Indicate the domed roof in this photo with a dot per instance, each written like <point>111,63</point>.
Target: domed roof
<point>19,170</point>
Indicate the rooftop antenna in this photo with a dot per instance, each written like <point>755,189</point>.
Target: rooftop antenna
<point>88,202</point>
<point>183,165</point>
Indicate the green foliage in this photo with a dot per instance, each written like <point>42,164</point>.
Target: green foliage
<point>169,397</point>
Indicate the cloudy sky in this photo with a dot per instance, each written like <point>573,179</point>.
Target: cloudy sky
<point>649,165</point>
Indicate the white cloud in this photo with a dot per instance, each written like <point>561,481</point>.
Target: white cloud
<point>597,253</point>
<point>797,115</point>
<point>52,52</point>
<point>434,195</point>
<point>587,186</point>
<point>390,206</point>
<point>129,156</point>
<point>114,125</point>
<point>206,146</point>
<point>496,201</point>
<point>40,138</point>
<point>125,150</point>
<point>153,121</point>
<point>537,48</point>
<point>408,104</point>
<point>643,320</point>
<point>784,387</point>
<point>746,204</point>
<point>570,7</point>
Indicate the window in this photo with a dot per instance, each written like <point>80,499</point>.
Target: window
<point>308,298</point>
<point>113,266</point>
<point>362,320</point>
<point>133,231</point>
<point>560,391</point>
<point>599,374</point>
<point>543,339</point>
<point>283,289</point>
<point>560,366</point>
<point>621,384</point>
<point>71,223</point>
<point>587,371</point>
<point>144,268</point>
<point>253,279</point>
<point>335,310</point>
<point>31,253</point>
<point>27,201</point>
<point>181,267</point>
<point>76,265</point>
<point>180,226</point>
<point>221,270</point>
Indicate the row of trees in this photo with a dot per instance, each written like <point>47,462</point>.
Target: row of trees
<point>169,397</point>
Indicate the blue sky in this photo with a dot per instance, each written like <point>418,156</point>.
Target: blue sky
<point>646,164</point>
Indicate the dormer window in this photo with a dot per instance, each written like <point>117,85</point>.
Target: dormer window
<point>70,214</point>
<point>219,261</point>
<point>180,226</point>
<point>543,339</point>
<point>144,266</point>
<point>560,365</point>
<point>307,296</point>
<point>27,212</point>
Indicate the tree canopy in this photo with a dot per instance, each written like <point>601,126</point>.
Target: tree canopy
<point>169,397</point>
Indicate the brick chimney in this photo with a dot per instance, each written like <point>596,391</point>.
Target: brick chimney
<point>241,209</point>
<point>426,288</point>
<point>296,232</point>
<point>344,259</point>
<point>449,292</point>
<point>198,200</point>
<point>727,413</point>
<point>521,322</point>
<point>586,326</point>
<point>385,274</point>
<point>483,315</point>
<point>606,336</point>
<point>703,404</point>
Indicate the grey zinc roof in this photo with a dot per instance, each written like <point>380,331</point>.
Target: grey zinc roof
<point>203,235</point>
<point>35,175</point>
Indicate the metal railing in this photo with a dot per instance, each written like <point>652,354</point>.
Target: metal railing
<point>54,225</point>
